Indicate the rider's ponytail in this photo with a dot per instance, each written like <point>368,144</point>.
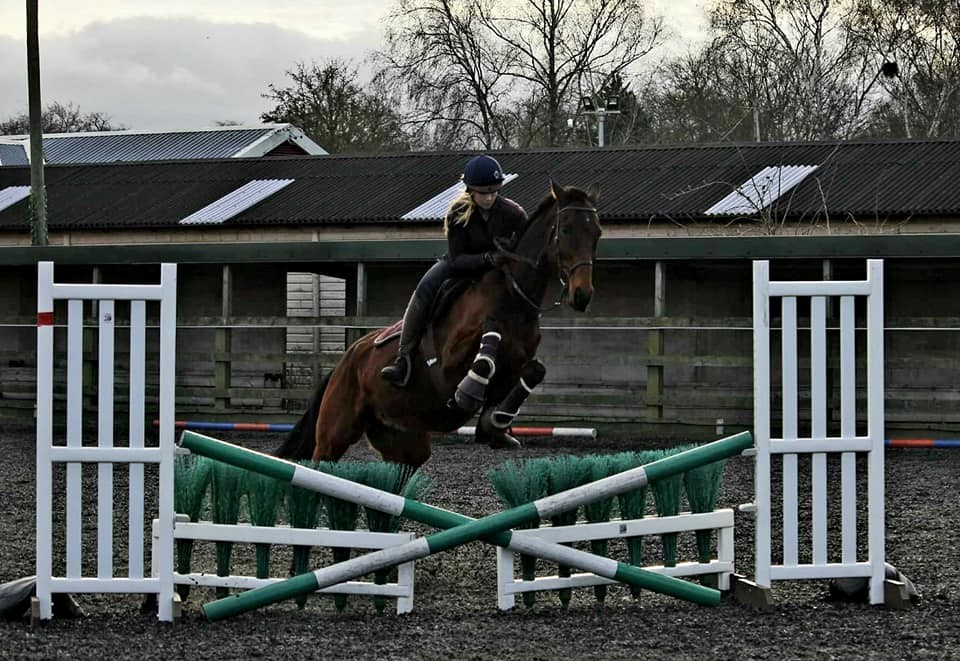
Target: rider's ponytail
<point>460,211</point>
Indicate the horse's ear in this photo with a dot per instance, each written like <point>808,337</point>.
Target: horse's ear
<point>594,192</point>
<point>555,189</point>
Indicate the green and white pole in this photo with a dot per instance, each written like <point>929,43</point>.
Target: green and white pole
<point>460,529</point>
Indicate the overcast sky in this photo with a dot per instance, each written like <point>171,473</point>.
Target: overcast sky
<point>162,64</point>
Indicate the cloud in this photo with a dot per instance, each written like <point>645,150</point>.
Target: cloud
<point>157,73</point>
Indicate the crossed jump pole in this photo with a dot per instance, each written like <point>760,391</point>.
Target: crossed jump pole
<point>460,529</point>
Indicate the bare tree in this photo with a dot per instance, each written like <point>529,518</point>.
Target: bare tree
<point>499,72</point>
<point>326,101</point>
<point>695,101</point>
<point>797,62</point>
<point>567,48</point>
<point>60,118</point>
<point>439,56</point>
<point>917,47</point>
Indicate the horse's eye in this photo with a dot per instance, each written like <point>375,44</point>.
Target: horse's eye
<point>565,230</point>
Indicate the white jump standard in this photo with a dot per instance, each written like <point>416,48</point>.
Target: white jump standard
<point>106,453</point>
<point>817,442</point>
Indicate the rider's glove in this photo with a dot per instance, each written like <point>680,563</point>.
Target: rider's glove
<point>494,259</point>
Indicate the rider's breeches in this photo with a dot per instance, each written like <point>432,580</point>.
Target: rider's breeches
<point>430,283</point>
<point>415,318</point>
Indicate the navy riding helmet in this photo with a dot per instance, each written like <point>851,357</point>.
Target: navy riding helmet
<point>482,172</point>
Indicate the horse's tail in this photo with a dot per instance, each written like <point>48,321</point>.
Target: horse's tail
<point>302,439</point>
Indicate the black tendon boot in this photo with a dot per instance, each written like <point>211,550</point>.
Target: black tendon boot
<point>414,321</point>
<point>471,391</point>
<point>494,424</point>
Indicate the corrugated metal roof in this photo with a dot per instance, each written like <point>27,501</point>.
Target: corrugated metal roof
<point>436,207</point>
<point>129,146</point>
<point>879,180</point>
<point>761,190</point>
<point>236,201</point>
<point>13,194</point>
<point>13,154</point>
<point>111,147</point>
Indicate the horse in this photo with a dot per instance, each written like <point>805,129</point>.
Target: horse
<point>481,352</point>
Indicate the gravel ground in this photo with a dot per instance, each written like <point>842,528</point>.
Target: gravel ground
<point>456,615</point>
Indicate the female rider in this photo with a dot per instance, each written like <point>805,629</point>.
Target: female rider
<point>474,221</point>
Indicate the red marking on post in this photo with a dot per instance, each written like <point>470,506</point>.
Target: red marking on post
<point>533,431</point>
<point>911,443</point>
<point>44,319</point>
<point>251,426</point>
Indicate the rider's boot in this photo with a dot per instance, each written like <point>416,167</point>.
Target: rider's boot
<point>414,321</point>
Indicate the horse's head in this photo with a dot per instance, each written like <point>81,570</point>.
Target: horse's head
<point>577,233</point>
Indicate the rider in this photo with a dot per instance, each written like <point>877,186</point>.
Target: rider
<point>474,221</point>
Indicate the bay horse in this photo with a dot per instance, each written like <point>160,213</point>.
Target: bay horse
<point>482,351</point>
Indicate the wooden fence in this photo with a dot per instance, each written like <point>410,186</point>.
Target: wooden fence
<point>665,372</point>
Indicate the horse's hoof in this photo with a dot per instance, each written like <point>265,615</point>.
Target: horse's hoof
<point>504,441</point>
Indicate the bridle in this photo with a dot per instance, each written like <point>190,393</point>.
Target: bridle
<point>563,274</point>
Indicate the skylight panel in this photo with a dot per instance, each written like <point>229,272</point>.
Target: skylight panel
<point>436,207</point>
<point>13,194</point>
<point>761,190</point>
<point>235,202</point>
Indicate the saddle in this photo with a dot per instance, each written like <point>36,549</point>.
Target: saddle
<point>450,291</point>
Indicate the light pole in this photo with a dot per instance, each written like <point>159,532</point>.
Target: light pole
<point>610,107</point>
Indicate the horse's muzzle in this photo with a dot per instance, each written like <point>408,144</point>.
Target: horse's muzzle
<point>580,285</point>
<point>581,298</point>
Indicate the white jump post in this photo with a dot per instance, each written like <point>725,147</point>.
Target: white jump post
<point>816,442</point>
<point>106,453</point>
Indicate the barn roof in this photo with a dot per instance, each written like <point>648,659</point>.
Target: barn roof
<point>13,153</point>
<point>112,146</point>
<point>876,180</point>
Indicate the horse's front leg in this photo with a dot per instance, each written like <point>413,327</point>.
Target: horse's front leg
<point>472,390</point>
<point>493,427</point>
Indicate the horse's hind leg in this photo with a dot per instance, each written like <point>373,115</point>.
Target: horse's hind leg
<point>494,423</point>
<point>340,421</point>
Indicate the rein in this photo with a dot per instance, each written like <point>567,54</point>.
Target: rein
<point>563,274</point>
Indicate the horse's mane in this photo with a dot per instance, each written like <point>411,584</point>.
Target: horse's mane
<point>545,204</point>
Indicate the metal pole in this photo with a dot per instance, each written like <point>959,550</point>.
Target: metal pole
<point>38,192</point>
<point>600,114</point>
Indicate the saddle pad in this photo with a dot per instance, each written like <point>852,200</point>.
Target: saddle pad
<point>388,333</point>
